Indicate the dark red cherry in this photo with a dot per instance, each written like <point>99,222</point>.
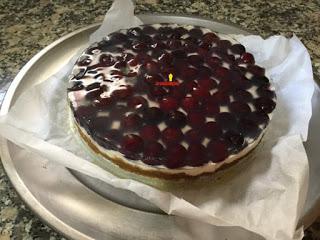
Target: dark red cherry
<point>171,135</point>
<point>131,143</point>
<point>189,104</point>
<point>204,72</point>
<point>120,64</point>
<point>176,119</point>
<point>174,44</point>
<point>242,83</point>
<point>194,136</point>
<point>201,93</point>
<point>137,102</point>
<point>151,67</point>
<point>94,94</point>
<point>85,112</point>
<point>122,93</point>
<point>259,118</point>
<point>226,120</point>
<point>132,121</point>
<point>206,82</point>
<point>189,86</point>
<point>260,81</point>
<point>106,60</point>
<point>248,127</point>
<point>150,132</point>
<point>256,70</point>
<point>196,32</point>
<point>224,44</point>
<point>153,79</point>
<point>76,85</point>
<point>212,130</point>
<point>242,95</point>
<point>178,92</point>
<point>157,92</point>
<point>188,73</point>
<point>153,115</point>
<point>195,60</point>
<point>84,61</point>
<point>265,92</point>
<point>225,85</point>
<point>139,47</point>
<point>247,58</point>
<point>220,97</point>
<point>149,30</point>
<point>196,155</point>
<point>196,119</point>
<point>152,152</point>
<point>103,103</point>
<point>235,141</point>
<point>168,104</point>
<point>175,156</point>
<point>213,61</point>
<point>221,73</point>
<point>238,49</point>
<point>179,54</point>
<point>118,37</point>
<point>264,104</point>
<point>217,151</point>
<point>239,107</point>
<point>212,108</point>
<point>209,37</point>
<point>165,58</point>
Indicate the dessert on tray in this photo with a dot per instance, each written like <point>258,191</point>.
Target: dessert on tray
<point>170,101</point>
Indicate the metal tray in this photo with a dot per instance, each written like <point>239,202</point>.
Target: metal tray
<point>81,207</point>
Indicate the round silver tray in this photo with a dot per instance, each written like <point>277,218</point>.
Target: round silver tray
<point>81,207</point>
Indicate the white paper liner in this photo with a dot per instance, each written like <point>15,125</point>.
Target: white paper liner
<point>265,196</point>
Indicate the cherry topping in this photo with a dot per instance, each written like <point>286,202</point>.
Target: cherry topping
<point>248,127</point>
<point>212,130</point>
<point>176,119</point>
<point>256,70</point>
<point>265,105</point>
<point>153,115</point>
<point>106,60</point>
<point>265,92</point>
<point>259,118</point>
<point>195,60</point>
<point>174,44</point>
<point>260,81</point>
<point>122,93</point>
<point>240,108</point>
<point>209,37</point>
<point>139,46</point>
<point>151,67</point>
<point>247,58</point>
<point>193,136</point>
<point>220,97</point>
<point>242,95</point>
<point>171,135</point>
<point>196,155</point>
<point>217,151</point>
<point>93,86</point>
<point>224,44</point>
<point>137,102</point>
<point>165,58</point>
<point>201,93</point>
<point>213,61</point>
<point>226,120</point>
<point>212,107</point>
<point>152,152</point>
<point>176,155</point>
<point>235,141</point>
<point>132,121</point>
<point>221,73</point>
<point>207,83</point>
<point>238,49</point>
<point>84,61</point>
<point>169,104</point>
<point>189,104</point>
<point>75,85</point>
<point>196,119</point>
<point>131,143</point>
<point>94,94</point>
<point>195,32</point>
<point>150,132</point>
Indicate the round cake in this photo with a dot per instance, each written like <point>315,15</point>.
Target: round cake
<point>170,101</point>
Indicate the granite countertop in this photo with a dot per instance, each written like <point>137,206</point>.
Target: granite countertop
<point>28,26</point>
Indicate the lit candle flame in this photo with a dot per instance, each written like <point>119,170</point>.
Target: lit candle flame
<point>170,77</point>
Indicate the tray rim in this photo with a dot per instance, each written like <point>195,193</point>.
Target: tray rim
<point>18,185</point>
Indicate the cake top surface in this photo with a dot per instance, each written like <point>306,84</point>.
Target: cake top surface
<point>170,95</point>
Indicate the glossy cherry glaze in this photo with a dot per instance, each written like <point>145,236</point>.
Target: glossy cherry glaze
<point>221,102</point>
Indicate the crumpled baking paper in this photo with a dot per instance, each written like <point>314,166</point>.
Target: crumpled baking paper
<point>262,198</point>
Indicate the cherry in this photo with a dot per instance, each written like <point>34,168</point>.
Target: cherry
<point>212,107</point>
<point>248,127</point>
<point>189,86</point>
<point>212,130</point>
<point>137,102</point>
<point>157,92</point>
<point>196,155</point>
<point>153,115</point>
<point>217,151</point>
<point>259,118</point>
<point>165,58</point>
<point>84,112</point>
<point>194,136</point>
<point>242,95</point>
<point>188,73</point>
<point>118,37</point>
<point>178,92</point>
<point>79,73</point>
<point>196,119</point>
<point>201,93</point>
<point>122,93</point>
<point>213,61</point>
<point>152,152</point>
<point>221,73</point>
<point>235,141</point>
<point>264,104</point>
<point>151,67</point>
<point>195,60</point>
<point>265,92</point>
<point>226,120</point>
<point>176,119</point>
<point>260,81</point>
<point>189,104</point>
<point>103,103</point>
<point>207,83</point>
<point>240,108</point>
<point>150,132</point>
<point>131,143</point>
<point>179,54</point>
<point>139,47</point>
<point>94,94</point>
<point>204,71</point>
<point>209,37</point>
<point>153,79</point>
<point>168,104</point>
<point>224,44</point>
<point>171,135</point>
<point>225,85</point>
<point>196,32</point>
<point>256,70</point>
<point>238,49</point>
<point>132,121</point>
<point>175,156</point>
<point>174,44</point>
<point>247,58</point>
<point>120,64</point>
<point>242,82</point>
<point>106,60</point>
<point>220,97</point>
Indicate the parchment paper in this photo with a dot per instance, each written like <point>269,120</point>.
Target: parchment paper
<point>264,196</point>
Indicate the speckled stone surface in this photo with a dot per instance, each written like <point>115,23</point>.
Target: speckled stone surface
<point>28,26</point>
